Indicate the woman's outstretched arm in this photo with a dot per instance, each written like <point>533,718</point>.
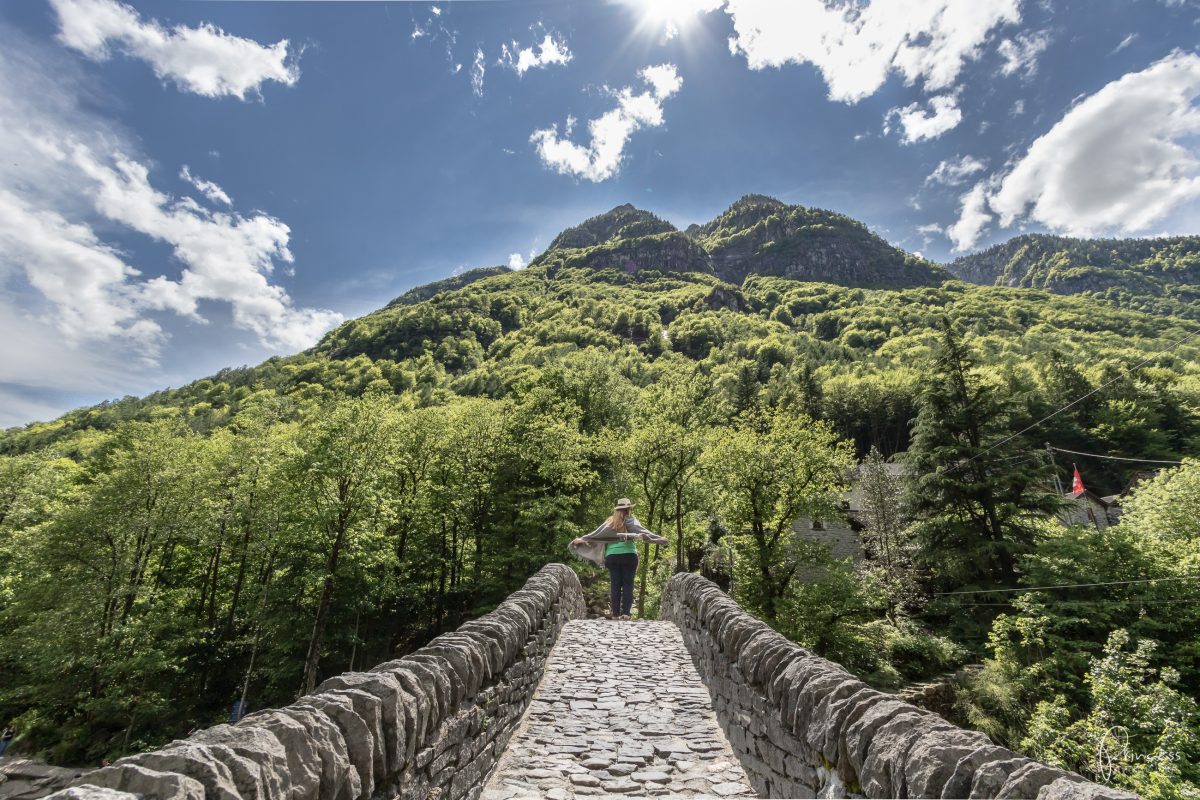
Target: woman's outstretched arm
<point>636,527</point>
<point>603,529</point>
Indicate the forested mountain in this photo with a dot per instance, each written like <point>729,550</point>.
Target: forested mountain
<point>1161,276</point>
<point>759,235</point>
<point>259,529</point>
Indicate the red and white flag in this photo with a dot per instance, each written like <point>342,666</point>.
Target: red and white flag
<point>1077,487</point>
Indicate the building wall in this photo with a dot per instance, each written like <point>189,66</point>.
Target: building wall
<point>1085,510</point>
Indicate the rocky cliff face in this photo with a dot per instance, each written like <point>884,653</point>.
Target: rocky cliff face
<point>757,235</point>
<point>762,236</point>
<point>626,239</point>
<point>623,222</point>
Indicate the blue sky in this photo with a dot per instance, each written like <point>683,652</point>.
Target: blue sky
<point>191,185</point>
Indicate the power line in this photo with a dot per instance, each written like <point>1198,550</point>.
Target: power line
<point>1111,458</point>
<point>1079,400</point>
<point>1067,586</point>
<point>1095,602</point>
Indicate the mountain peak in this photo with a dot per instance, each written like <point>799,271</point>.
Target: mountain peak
<point>749,200</point>
<point>761,235</point>
<point>756,235</point>
<point>623,222</point>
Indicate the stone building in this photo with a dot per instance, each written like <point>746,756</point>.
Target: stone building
<point>1087,508</point>
<point>842,535</point>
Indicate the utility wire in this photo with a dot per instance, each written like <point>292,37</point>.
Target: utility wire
<point>1067,586</point>
<point>1094,602</point>
<point>1111,458</point>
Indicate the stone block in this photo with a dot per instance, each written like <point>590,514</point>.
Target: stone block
<point>139,781</point>
<point>357,715</point>
<point>441,682</point>
<point>196,762</point>
<point>301,749</point>
<point>932,760</point>
<point>339,777</point>
<point>392,698</point>
<point>882,774</point>
<point>86,792</point>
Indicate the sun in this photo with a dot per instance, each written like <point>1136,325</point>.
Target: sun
<point>669,18</point>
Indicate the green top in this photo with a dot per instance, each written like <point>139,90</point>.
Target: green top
<point>613,548</point>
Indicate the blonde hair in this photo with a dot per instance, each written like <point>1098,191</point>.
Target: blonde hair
<point>616,523</point>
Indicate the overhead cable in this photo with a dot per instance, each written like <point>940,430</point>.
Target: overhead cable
<point>1067,586</point>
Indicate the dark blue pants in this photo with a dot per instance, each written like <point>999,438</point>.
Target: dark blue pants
<point>621,569</point>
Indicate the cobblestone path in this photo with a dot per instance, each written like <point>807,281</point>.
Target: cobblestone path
<point>620,711</point>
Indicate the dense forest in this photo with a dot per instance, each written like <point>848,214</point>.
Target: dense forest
<point>253,532</point>
<point>1157,275</point>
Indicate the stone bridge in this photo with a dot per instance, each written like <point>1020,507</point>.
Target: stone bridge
<point>532,700</point>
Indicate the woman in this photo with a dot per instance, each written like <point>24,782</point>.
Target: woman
<point>614,545</point>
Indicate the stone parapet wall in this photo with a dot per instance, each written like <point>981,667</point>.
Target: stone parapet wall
<point>430,724</point>
<point>803,726</point>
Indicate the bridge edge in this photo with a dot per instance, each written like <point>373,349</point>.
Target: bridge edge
<point>803,726</point>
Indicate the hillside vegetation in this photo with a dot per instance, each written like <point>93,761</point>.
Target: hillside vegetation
<point>268,526</point>
<point>1161,276</point>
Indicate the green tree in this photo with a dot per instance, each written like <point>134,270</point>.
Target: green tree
<point>977,493</point>
<point>890,549</point>
<point>340,475</point>
<point>1141,733</point>
<point>765,473</point>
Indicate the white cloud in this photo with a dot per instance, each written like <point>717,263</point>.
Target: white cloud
<point>66,174</point>
<point>1121,160</point>
<point>86,281</point>
<point>212,191</point>
<point>204,60</point>
<point>918,124</point>
<point>1021,53</point>
<point>954,172</point>
<point>435,29</point>
<point>227,257</point>
<point>601,158</point>
<point>1128,40</point>
<point>477,71</point>
<point>48,373</point>
<point>17,410</point>
<point>536,56</point>
<point>516,261</point>
<point>1018,108</point>
<point>972,219</point>
<point>856,45</point>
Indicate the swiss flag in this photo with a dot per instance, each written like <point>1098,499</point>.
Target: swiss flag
<point>1077,487</point>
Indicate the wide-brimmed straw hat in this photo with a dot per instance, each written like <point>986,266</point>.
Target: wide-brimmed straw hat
<point>624,502</point>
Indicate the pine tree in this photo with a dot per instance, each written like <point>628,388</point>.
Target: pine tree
<point>976,496</point>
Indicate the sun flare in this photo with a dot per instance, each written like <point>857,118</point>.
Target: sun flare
<point>670,17</point>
